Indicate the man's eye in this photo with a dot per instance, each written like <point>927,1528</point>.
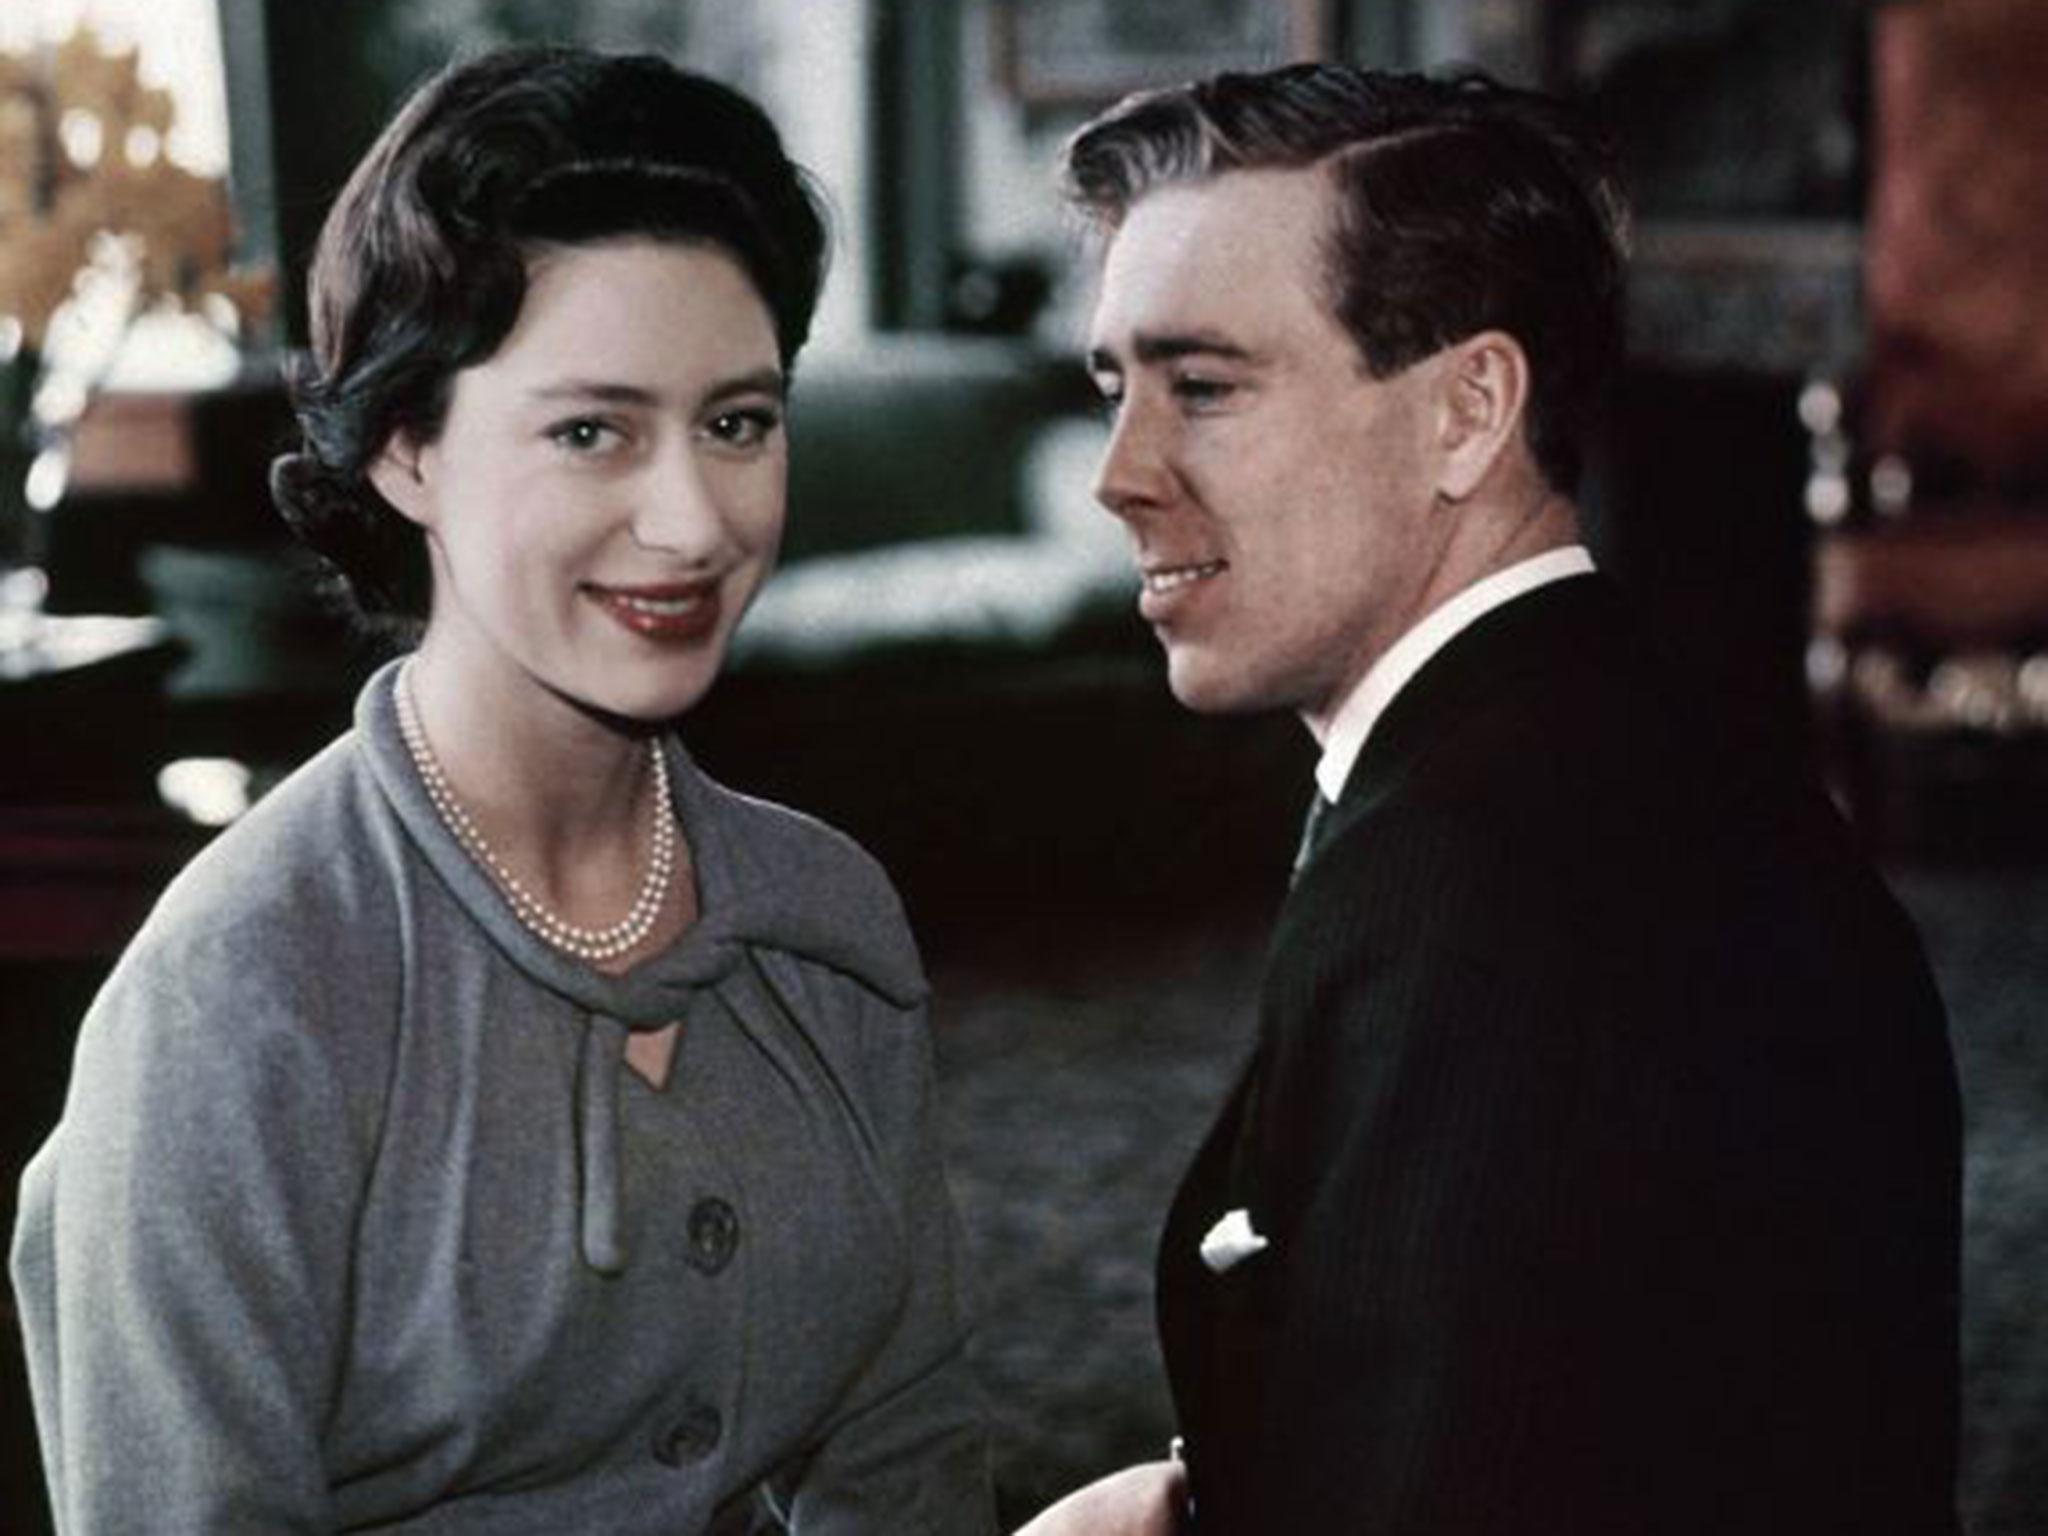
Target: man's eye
<point>1200,391</point>
<point>745,429</point>
<point>585,434</point>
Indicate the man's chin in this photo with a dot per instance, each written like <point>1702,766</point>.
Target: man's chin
<point>1201,689</point>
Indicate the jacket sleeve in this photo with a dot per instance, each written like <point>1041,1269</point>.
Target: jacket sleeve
<point>909,1457</point>
<point>182,1252</point>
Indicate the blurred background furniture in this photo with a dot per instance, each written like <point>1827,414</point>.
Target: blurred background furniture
<point>1930,608</point>
<point>1931,668</point>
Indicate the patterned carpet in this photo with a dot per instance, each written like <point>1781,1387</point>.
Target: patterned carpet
<point>1988,937</point>
<point>1078,1074</point>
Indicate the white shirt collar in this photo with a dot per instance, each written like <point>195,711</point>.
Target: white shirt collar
<point>1361,711</point>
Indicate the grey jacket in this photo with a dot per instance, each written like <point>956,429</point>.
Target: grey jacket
<point>354,1220</point>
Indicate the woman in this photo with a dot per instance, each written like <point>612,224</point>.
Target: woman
<point>505,1128</point>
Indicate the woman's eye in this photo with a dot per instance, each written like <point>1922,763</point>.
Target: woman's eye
<point>745,429</point>
<point>585,434</point>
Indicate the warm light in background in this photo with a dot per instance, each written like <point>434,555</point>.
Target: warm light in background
<point>180,47</point>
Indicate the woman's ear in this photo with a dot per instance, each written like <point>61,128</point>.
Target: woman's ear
<point>1485,395</point>
<point>399,474</point>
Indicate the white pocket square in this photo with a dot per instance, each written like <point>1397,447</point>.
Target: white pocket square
<point>1231,1241</point>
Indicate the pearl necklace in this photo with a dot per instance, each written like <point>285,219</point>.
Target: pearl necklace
<point>592,944</point>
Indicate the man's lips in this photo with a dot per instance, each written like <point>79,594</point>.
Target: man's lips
<point>1168,578</point>
<point>1167,586</point>
<point>679,611</point>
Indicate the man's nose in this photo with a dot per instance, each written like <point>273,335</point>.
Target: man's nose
<point>1133,475</point>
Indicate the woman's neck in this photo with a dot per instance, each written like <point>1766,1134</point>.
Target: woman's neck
<point>560,794</point>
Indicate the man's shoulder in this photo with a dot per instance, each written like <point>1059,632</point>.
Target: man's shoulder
<point>1563,672</point>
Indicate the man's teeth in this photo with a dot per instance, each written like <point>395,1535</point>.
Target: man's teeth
<point>659,607</point>
<point>1170,577</point>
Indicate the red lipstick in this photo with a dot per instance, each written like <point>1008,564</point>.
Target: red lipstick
<point>671,612</point>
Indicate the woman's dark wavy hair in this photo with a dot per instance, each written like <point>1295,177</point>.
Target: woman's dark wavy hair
<point>1462,205</point>
<point>421,266</point>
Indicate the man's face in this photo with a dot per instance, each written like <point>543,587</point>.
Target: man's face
<point>1279,498</point>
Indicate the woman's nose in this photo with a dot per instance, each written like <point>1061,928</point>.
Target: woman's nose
<point>676,508</point>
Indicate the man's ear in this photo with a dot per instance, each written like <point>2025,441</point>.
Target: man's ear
<point>399,474</point>
<point>1485,393</point>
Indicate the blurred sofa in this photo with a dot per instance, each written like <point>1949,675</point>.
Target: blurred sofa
<point>902,437</point>
<point>939,497</point>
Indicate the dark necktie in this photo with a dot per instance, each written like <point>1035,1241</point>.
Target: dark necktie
<point>1313,830</point>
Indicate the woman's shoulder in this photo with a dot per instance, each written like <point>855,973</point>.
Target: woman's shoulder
<point>304,854</point>
<point>802,846</point>
<point>789,881</point>
<point>287,915</point>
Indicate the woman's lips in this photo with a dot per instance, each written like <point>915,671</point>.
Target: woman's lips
<point>675,612</point>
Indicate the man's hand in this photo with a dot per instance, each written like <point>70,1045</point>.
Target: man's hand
<point>1145,1500</point>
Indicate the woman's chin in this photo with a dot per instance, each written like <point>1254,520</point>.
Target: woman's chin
<point>650,703</point>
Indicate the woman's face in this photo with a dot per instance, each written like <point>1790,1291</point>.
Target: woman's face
<point>606,494</point>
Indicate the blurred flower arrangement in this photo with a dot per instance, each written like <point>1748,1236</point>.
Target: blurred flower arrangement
<point>98,228</point>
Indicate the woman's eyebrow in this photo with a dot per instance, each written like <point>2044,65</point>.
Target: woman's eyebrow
<point>759,381</point>
<point>608,392</point>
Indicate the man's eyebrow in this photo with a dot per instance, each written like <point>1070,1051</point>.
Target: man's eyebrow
<point>1170,347</point>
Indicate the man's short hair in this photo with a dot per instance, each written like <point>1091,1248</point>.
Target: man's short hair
<point>1462,205</point>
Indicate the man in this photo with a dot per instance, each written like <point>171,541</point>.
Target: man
<point>1596,1169</point>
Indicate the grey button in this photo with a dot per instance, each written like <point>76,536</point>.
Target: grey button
<point>692,1437</point>
<point>714,1234</point>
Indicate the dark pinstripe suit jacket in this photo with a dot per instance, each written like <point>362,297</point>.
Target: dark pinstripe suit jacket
<point>1604,1129</point>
